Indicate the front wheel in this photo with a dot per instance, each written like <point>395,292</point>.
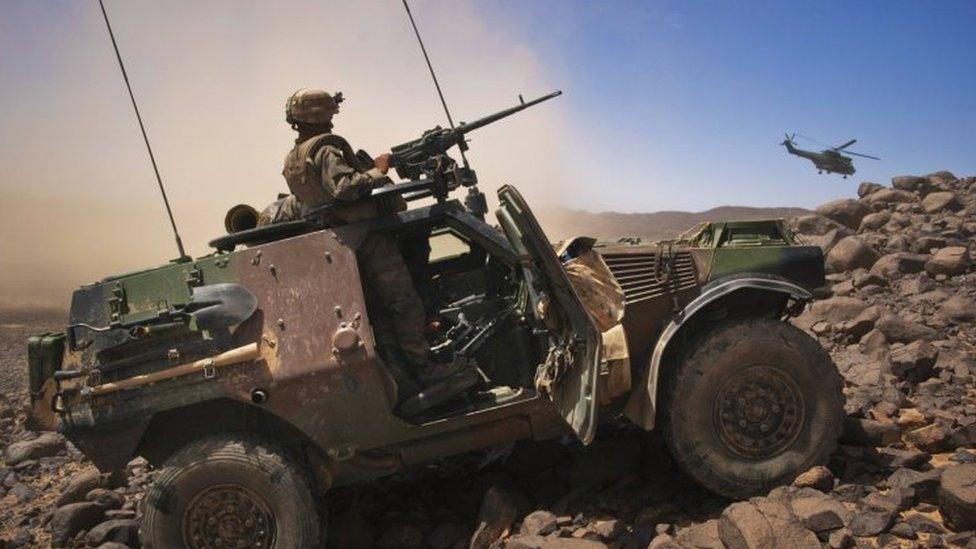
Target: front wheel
<point>230,492</point>
<point>753,403</point>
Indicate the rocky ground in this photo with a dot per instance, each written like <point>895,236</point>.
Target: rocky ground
<point>897,318</point>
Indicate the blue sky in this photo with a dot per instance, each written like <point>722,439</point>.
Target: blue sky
<point>697,95</point>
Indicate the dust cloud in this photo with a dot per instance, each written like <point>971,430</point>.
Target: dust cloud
<point>78,196</point>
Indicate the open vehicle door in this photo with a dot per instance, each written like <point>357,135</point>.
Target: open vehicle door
<point>569,376</point>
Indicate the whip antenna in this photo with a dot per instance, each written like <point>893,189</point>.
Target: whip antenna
<point>142,127</point>
<point>432,75</point>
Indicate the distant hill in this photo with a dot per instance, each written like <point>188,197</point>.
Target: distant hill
<point>560,223</point>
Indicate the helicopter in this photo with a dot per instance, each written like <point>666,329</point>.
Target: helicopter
<point>829,160</point>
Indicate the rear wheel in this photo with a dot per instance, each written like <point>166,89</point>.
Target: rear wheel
<point>230,492</point>
<point>753,403</point>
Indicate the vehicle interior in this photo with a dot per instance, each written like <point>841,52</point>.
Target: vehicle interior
<point>477,310</point>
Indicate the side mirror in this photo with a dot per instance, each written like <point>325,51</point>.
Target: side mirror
<point>218,306</point>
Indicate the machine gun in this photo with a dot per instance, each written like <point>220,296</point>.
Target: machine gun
<point>431,172</point>
<point>420,156</point>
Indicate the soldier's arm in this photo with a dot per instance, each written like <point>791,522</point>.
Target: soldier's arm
<point>348,183</point>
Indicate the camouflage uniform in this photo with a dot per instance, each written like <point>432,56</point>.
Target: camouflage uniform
<point>323,170</point>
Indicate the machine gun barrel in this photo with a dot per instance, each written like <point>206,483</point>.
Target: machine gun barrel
<point>465,127</point>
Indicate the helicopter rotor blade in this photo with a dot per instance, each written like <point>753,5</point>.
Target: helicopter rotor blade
<point>845,145</point>
<point>862,155</point>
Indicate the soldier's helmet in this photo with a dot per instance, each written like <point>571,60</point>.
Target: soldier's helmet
<point>312,106</point>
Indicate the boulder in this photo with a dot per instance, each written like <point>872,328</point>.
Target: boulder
<point>541,542</point>
<point>818,478</point>
<point>850,253</point>
<point>874,221</point>
<point>47,444</point>
<point>820,513</point>
<point>913,362</point>
<point>871,522</point>
<point>107,499</point>
<point>846,211</point>
<point>869,432</point>
<point>866,188</point>
<point>885,197</point>
<point>899,330</point>
<point>957,496</point>
<point>893,264</point>
<point>72,518</point>
<point>704,535</point>
<point>833,310</point>
<point>940,201</point>
<point>539,523</point>
<point>815,225</point>
<point>950,261</point>
<point>931,438</point>
<point>80,484</point>
<point>496,515</point>
<point>763,522</point>
<point>912,183</point>
<point>119,530</point>
<point>959,308</point>
<point>922,485</point>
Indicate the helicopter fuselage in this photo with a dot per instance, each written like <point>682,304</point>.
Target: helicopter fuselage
<point>826,161</point>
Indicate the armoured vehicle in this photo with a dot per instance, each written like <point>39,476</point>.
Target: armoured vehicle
<point>253,379</point>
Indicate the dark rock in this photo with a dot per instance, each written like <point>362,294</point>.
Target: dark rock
<point>818,478</point>
<point>539,523</point>
<point>931,438</point>
<point>22,492</point>
<point>47,444</point>
<point>401,535</point>
<point>609,530</point>
<point>841,539</point>
<point>957,496</point>
<point>118,530</point>
<point>113,545</point>
<point>80,484</point>
<point>868,432</point>
<point>893,458</point>
<point>817,225</point>
<point>850,493</point>
<point>923,524</point>
<point>107,499</point>
<point>899,330</point>
<point>903,530</point>
<point>73,518</point>
<point>961,539</point>
<point>446,535</point>
<point>820,513</point>
<point>846,211</point>
<point>540,542</point>
<point>496,515</point>
<point>924,484</point>
<point>870,522</point>
<point>913,362</point>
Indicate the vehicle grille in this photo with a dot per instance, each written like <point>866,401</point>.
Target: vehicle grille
<point>636,274</point>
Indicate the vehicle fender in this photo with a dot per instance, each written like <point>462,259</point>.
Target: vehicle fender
<point>642,405</point>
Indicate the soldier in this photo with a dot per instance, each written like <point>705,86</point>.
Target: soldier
<point>323,170</point>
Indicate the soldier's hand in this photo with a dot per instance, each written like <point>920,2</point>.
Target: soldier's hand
<point>382,163</point>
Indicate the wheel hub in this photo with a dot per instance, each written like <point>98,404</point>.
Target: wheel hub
<point>228,516</point>
<point>758,412</point>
